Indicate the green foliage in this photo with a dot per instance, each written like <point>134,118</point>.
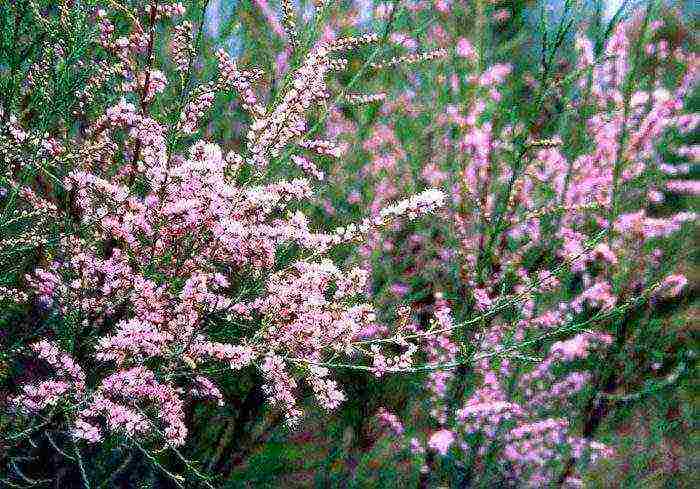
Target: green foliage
<point>43,53</point>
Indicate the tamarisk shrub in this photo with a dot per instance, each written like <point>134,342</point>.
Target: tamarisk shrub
<point>524,355</point>
<point>168,262</point>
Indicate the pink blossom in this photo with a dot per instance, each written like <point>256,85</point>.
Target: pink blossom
<point>465,49</point>
<point>441,441</point>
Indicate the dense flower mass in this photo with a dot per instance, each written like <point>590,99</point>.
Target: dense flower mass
<point>155,268</point>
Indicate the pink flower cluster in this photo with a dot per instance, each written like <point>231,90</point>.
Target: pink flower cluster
<point>70,380</point>
<point>173,245</point>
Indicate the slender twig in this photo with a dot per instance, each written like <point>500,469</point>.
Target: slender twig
<point>177,479</point>
<point>143,96</point>
<point>81,466</point>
